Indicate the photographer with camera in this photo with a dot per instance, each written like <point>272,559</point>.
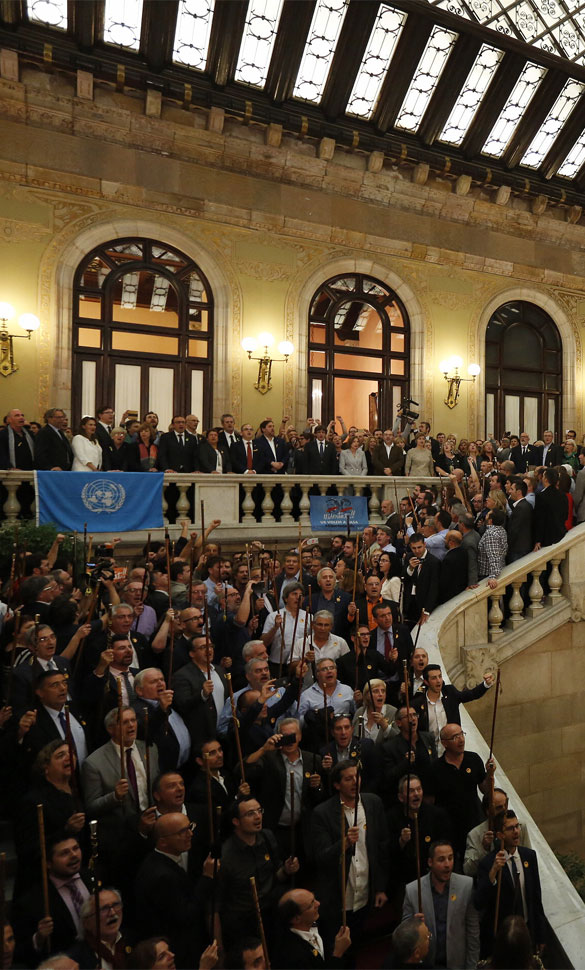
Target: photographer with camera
<point>268,772</point>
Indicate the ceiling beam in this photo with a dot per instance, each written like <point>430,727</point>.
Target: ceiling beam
<point>291,37</point>
<point>564,141</point>
<point>351,47</point>
<point>458,66</point>
<point>492,104</point>
<point>533,118</point>
<point>157,38</point>
<point>227,27</point>
<point>409,49</point>
<point>12,12</point>
<point>86,21</point>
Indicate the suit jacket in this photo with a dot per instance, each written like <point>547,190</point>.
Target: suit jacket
<point>100,773</point>
<point>239,456</point>
<point>160,733</point>
<point>485,897</point>
<point>23,456</point>
<point>578,495</point>
<point>171,455</point>
<point>365,751</point>
<point>470,543</point>
<point>426,595</point>
<point>269,779</point>
<point>28,909</point>
<point>521,461</point>
<point>107,446</point>
<point>554,456</point>
<point>394,461</point>
<point>326,849</point>
<point>433,824</point>
<point>208,457</point>
<point>453,574</point>
<point>393,522</point>
<point>520,541</point>
<point>223,442</point>
<point>394,753</point>
<point>294,953</point>
<point>170,904</point>
<point>317,465</point>
<point>551,508</point>
<point>52,449</point>
<point>369,665</point>
<point>462,919</point>
<point>24,676</point>
<point>266,456</point>
<point>43,731</point>
<point>451,698</point>
<point>200,716</point>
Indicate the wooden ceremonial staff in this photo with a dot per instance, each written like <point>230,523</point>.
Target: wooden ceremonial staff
<point>415,516</point>
<point>498,893</point>
<point>15,633</point>
<point>281,659</point>
<point>236,724</point>
<point>405,670</point>
<point>274,589</point>
<point>294,636</point>
<point>417,848</point>
<point>172,651</point>
<point>356,804</point>
<point>309,619</point>
<point>300,671</point>
<point>72,758</point>
<point>2,904</point>
<point>89,618</point>
<point>207,643</point>
<point>145,569</point>
<point>93,835</point>
<point>343,876</point>
<point>13,564</point>
<point>191,568</point>
<point>120,712</point>
<point>44,877</point>
<point>90,549</point>
<point>168,552</point>
<point>147,753</point>
<point>74,570</point>
<point>216,854</point>
<point>260,923</point>
<point>291,777</point>
<point>85,551</point>
<point>202,506</point>
<point>355,567</point>
<point>209,800</point>
<point>491,814</point>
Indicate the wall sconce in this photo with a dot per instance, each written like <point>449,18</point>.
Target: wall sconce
<point>28,322</point>
<point>266,340</point>
<point>454,378</point>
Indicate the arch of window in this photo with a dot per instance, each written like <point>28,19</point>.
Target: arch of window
<point>523,371</point>
<point>359,342</point>
<point>142,332</point>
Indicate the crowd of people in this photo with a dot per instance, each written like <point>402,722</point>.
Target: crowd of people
<point>213,716</point>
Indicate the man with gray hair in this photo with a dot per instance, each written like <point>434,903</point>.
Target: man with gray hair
<point>410,943</point>
<point>51,445</point>
<point>110,950</point>
<point>257,674</point>
<point>166,728</point>
<point>272,770</point>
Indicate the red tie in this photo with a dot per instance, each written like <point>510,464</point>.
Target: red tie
<point>387,645</point>
<point>249,457</point>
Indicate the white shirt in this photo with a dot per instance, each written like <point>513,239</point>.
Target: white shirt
<point>514,861</point>
<point>312,937</point>
<point>356,896</point>
<point>218,692</point>
<point>272,445</point>
<point>437,721</point>
<point>85,451</point>
<point>77,733</point>
<point>289,630</point>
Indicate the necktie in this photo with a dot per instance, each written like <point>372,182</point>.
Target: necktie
<point>130,692</point>
<point>131,772</point>
<point>249,461</point>
<point>181,442</point>
<point>321,448</point>
<point>51,665</point>
<point>518,905</point>
<point>76,897</point>
<point>63,723</point>
<point>387,645</point>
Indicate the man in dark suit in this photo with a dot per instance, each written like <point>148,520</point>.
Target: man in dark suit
<point>103,430</point>
<point>168,902</point>
<point>421,581</point>
<point>166,728</point>
<point>520,891</point>
<point>320,455</point>
<point>524,454</point>
<point>365,886</point>
<point>52,449</point>
<point>345,746</point>
<point>365,604</point>
<point>453,572</point>
<point>244,454</point>
<point>392,518</point>
<point>520,541</point>
<point>272,451</point>
<point>299,944</point>
<point>199,699</point>
<point>177,450</point>
<point>370,663</point>
<point>228,435</point>
<point>50,722</point>
<point>388,458</point>
<point>100,689</point>
<point>69,886</point>
<point>550,454</point>
<point>550,511</point>
<point>42,642</point>
<point>328,598</point>
<point>446,695</point>
<point>410,745</point>
<point>16,444</point>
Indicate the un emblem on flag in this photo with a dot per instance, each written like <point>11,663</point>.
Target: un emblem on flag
<point>103,495</point>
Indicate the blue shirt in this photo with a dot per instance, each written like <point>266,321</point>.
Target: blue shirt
<point>341,700</point>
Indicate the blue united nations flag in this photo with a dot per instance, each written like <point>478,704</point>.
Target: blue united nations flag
<point>106,501</point>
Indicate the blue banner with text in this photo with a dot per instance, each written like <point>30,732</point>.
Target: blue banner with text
<point>339,513</point>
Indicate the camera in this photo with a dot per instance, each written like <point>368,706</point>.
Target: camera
<point>406,410</point>
<point>102,569</point>
<point>286,741</point>
<point>259,590</point>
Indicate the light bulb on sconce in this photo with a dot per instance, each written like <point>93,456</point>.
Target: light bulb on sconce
<point>28,322</point>
<point>266,340</point>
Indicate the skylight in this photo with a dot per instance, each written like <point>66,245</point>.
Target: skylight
<point>575,159</point>
<point>258,41</point>
<point>122,23</point>
<point>471,95</point>
<point>560,111</point>
<point>192,33</point>
<point>520,97</point>
<point>51,12</point>
<point>426,78</point>
<point>373,69</point>
<point>319,49</point>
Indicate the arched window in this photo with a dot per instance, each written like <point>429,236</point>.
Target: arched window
<point>358,352</point>
<point>142,332</point>
<point>523,356</point>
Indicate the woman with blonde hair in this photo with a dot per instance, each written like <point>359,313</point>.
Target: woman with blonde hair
<point>375,714</point>
<point>496,499</point>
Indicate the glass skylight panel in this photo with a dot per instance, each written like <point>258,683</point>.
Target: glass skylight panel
<point>319,49</point>
<point>554,121</point>
<point>192,33</point>
<point>520,97</point>
<point>426,78</point>
<point>379,52</point>
<point>575,159</point>
<point>122,23</point>
<point>258,41</point>
<point>51,12</point>
<point>471,94</point>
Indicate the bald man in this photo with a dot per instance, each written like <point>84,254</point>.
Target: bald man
<point>454,567</point>
<point>300,944</point>
<point>168,903</point>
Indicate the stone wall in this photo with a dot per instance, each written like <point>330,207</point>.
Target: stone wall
<point>540,734</point>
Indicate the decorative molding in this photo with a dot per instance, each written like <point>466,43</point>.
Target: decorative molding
<point>16,231</point>
<point>259,270</point>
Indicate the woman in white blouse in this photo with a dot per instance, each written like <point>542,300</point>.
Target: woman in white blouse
<point>87,452</point>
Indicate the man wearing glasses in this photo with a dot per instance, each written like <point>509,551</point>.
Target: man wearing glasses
<point>454,780</point>
<point>48,721</point>
<point>251,850</point>
<point>111,948</point>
